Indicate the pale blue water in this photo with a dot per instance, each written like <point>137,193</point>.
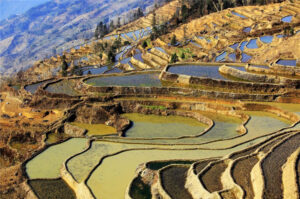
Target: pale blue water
<point>234,46</point>
<point>237,14</point>
<point>160,49</point>
<point>242,46</point>
<point>125,61</point>
<point>139,57</point>
<point>281,36</point>
<point>139,80</point>
<point>241,68</point>
<point>114,70</point>
<point>33,87</point>
<point>196,44</point>
<point>95,71</point>
<point>232,56</point>
<point>287,19</point>
<point>221,57</point>
<point>266,39</point>
<point>248,29</point>
<point>286,62</point>
<point>245,57</point>
<point>261,66</point>
<point>252,44</point>
<point>197,70</point>
<point>130,35</point>
<point>137,34</point>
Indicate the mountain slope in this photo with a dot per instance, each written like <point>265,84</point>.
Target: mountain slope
<point>54,26</point>
<point>14,7</point>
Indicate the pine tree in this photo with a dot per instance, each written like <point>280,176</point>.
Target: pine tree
<point>174,58</point>
<point>145,45</point>
<point>174,40</point>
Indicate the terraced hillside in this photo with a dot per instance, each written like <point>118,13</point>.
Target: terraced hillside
<point>143,127</point>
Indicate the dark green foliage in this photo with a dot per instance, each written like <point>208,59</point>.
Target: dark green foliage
<point>160,164</point>
<point>144,45</point>
<point>182,56</point>
<point>159,30</point>
<point>126,43</point>
<point>174,58</point>
<point>184,13</point>
<point>64,66</point>
<point>111,57</point>
<point>173,40</point>
<point>117,43</point>
<point>140,190</point>
<point>48,189</point>
<point>64,73</point>
<point>101,30</point>
<point>79,72</point>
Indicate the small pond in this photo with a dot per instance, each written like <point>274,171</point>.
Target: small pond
<point>287,19</point>
<point>196,44</point>
<point>197,70</point>
<point>232,57</point>
<point>47,164</point>
<point>139,80</point>
<point>286,62</point>
<point>153,126</point>
<point>252,44</point>
<point>266,39</point>
<point>234,46</point>
<point>33,87</point>
<point>114,70</point>
<point>237,14</point>
<point>160,49</point>
<point>281,36</point>
<point>261,66</point>
<point>63,87</point>
<point>221,57</point>
<point>247,29</point>
<point>245,57</point>
<point>242,46</point>
<point>95,71</point>
<point>139,57</point>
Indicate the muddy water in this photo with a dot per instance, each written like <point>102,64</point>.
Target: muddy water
<point>260,124</point>
<point>96,129</point>
<point>224,127</point>
<point>197,70</point>
<point>119,170</point>
<point>140,80</point>
<point>33,87</point>
<point>81,165</point>
<point>151,126</point>
<point>63,87</point>
<point>48,163</point>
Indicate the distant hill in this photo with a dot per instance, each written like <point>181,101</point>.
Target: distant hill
<point>54,26</point>
<point>14,7</point>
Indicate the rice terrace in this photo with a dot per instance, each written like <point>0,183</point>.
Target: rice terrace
<point>190,100</point>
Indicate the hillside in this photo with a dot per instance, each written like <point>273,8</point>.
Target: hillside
<point>9,8</point>
<point>52,27</point>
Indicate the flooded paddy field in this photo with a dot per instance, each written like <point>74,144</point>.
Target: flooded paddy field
<point>151,126</point>
<point>47,164</point>
<point>63,87</point>
<point>96,129</point>
<point>141,80</point>
<point>33,87</point>
<point>197,70</point>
